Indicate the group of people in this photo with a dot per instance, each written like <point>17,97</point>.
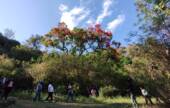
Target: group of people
<point>50,89</point>
<point>94,92</point>
<point>132,92</point>
<point>6,86</point>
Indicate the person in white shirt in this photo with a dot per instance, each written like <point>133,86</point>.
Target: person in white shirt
<point>50,91</point>
<point>146,95</point>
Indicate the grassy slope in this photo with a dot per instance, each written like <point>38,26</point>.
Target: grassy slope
<point>28,104</point>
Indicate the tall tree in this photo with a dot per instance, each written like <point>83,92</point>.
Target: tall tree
<point>78,41</point>
<point>154,21</point>
<point>154,18</point>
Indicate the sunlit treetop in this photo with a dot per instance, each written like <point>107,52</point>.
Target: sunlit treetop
<point>80,40</point>
<point>93,33</point>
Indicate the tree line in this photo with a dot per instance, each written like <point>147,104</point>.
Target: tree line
<point>87,57</point>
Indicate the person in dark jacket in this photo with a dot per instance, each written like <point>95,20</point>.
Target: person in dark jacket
<point>70,93</point>
<point>38,91</point>
<point>132,92</point>
<point>8,86</point>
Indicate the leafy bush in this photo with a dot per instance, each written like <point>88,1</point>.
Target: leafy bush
<point>109,91</point>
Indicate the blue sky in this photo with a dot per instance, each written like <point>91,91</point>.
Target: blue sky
<point>28,17</point>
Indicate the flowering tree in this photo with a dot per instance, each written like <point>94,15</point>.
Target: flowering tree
<point>79,41</point>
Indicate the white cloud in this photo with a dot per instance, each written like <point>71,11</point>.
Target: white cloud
<point>116,22</point>
<point>74,16</point>
<point>77,10</point>
<point>90,21</point>
<point>63,7</point>
<point>106,12</point>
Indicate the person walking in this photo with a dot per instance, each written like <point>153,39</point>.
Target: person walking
<point>70,93</point>
<point>50,91</point>
<point>146,95</point>
<point>132,92</point>
<point>38,91</point>
<point>7,88</point>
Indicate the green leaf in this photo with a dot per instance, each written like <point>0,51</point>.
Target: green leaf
<point>149,1</point>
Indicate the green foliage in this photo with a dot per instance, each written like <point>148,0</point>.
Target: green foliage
<point>109,91</point>
<point>150,67</point>
<point>34,42</point>
<point>151,61</point>
<point>82,71</point>
<point>24,53</point>
<point>14,69</point>
<point>154,18</point>
<point>7,44</point>
<point>7,66</point>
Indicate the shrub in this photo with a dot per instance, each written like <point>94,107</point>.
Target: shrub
<point>109,91</point>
